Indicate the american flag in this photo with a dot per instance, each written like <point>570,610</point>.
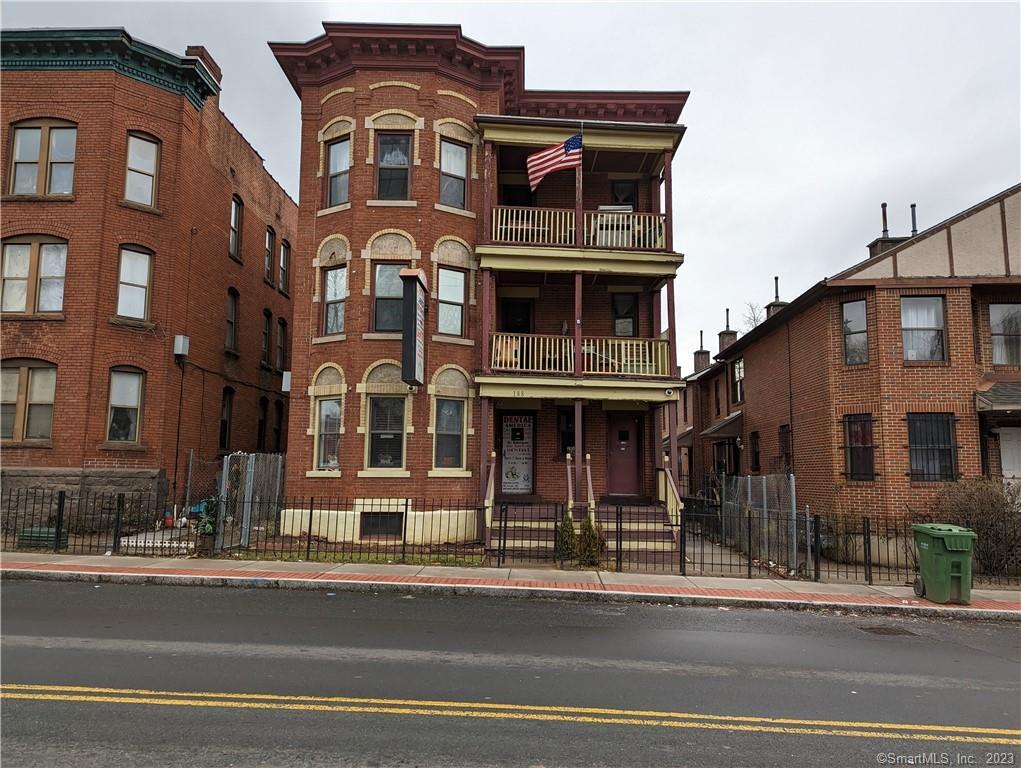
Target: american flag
<point>567,154</point>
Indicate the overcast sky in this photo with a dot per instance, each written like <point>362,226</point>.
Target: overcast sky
<point>802,117</point>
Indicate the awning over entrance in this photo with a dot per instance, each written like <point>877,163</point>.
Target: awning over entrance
<point>686,438</point>
<point>1001,396</point>
<point>729,427</point>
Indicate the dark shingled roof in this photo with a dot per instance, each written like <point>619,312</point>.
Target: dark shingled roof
<point>1002,396</point>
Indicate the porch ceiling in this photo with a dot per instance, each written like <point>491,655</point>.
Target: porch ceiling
<point>529,258</point>
<point>549,387</point>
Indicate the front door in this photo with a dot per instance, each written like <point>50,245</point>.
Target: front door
<point>1010,453</point>
<point>622,453</point>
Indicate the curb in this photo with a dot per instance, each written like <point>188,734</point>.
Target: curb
<point>543,593</point>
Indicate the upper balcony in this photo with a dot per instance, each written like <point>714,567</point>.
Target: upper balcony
<point>611,214</point>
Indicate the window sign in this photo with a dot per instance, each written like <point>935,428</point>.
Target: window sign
<point>517,454</point>
<point>413,345</point>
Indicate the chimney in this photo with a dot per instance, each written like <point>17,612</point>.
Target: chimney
<point>914,221</point>
<point>701,355</point>
<point>199,52</point>
<point>775,305</point>
<point>727,336</point>
<point>884,242</point>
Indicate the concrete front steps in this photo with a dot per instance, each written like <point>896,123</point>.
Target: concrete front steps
<point>644,528</point>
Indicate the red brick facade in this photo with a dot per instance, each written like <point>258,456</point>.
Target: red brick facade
<point>796,374</point>
<point>202,162</point>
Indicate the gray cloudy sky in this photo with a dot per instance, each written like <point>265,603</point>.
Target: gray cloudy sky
<point>802,117</point>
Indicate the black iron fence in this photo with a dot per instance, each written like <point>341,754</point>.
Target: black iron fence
<point>705,538</point>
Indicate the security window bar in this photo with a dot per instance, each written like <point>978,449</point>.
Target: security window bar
<point>453,174</point>
<point>922,324</point>
<point>859,453</point>
<point>133,288</point>
<point>267,259</point>
<point>1005,323</point>
<point>451,302</point>
<point>338,176</point>
<point>335,295</point>
<point>386,432</point>
<point>855,330</point>
<point>284,277</point>
<point>625,314</point>
<point>737,380</point>
<point>931,447</point>
<point>143,161</point>
<point>33,277</point>
<point>237,213</point>
<point>449,434</point>
<point>125,406</point>
<point>394,166</point>
<point>26,405</point>
<point>389,298</point>
<point>328,433</point>
<point>48,147</point>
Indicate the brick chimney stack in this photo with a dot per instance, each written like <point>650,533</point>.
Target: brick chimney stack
<point>775,305</point>
<point>884,242</point>
<point>727,336</point>
<point>200,53</point>
<point>701,355</point>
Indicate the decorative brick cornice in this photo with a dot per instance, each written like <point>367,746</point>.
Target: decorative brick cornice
<point>107,49</point>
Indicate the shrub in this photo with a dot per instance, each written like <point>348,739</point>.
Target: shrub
<point>565,546</point>
<point>591,543</point>
<point>993,510</point>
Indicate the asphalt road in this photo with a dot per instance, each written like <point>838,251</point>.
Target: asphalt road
<point>131,675</point>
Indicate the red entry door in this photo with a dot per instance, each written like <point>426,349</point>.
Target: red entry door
<point>622,454</point>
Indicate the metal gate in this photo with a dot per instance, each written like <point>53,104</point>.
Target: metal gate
<point>251,486</point>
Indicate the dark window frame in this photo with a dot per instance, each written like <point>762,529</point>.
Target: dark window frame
<point>849,333</point>
<point>565,427</point>
<point>139,408</point>
<point>928,451</point>
<point>737,382</point>
<point>237,222</point>
<point>342,302</point>
<point>284,268</point>
<point>231,342</point>
<point>633,184</point>
<point>460,305</point>
<point>460,434</point>
<point>380,135</point>
<point>463,179</point>
<point>755,462</point>
<point>941,330</point>
<point>280,356</point>
<point>616,314</point>
<point>330,202</point>
<point>267,338</point>
<point>1016,337</point>
<point>270,255</point>
<point>373,432</point>
<point>226,419</point>
<point>376,298</point>
<point>859,447</point>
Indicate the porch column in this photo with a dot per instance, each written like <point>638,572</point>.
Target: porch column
<point>577,325</point>
<point>486,236</point>
<point>675,470</point>
<point>487,319</point>
<point>668,194</point>
<point>671,325</point>
<point>657,413</point>
<point>581,488</point>
<point>483,448</point>
<point>579,215</point>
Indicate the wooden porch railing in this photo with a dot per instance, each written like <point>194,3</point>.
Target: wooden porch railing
<point>533,226</point>
<point>601,355</point>
<point>619,356</point>
<point>532,353</point>
<point>625,231</point>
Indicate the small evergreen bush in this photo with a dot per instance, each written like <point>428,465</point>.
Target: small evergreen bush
<point>565,546</point>
<point>591,544</point>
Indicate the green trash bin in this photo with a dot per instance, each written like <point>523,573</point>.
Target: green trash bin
<point>944,562</point>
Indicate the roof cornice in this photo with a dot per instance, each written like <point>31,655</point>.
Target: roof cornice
<point>107,49</point>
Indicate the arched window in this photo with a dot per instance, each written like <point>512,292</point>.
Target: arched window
<point>284,278</point>
<point>26,406</point>
<point>385,420</point>
<point>226,416</point>
<point>327,395</point>
<point>267,260</point>
<point>450,395</point>
<point>124,415</point>
<point>42,160</point>
<point>134,282</point>
<point>237,215</point>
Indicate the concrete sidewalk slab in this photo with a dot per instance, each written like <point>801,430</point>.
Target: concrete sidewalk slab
<point>825,588</point>
<point>453,572</point>
<point>555,577</point>
<point>372,568</point>
<point>610,578</point>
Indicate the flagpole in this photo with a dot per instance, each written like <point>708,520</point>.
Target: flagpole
<point>579,214</point>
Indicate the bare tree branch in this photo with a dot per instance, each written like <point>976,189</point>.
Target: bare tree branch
<point>753,315</point>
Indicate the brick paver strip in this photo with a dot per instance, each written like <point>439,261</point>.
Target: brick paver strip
<point>552,586</point>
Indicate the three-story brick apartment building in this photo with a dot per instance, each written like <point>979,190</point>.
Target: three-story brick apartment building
<point>134,213</point>
<point>543,333</point>
<point>877,386</point>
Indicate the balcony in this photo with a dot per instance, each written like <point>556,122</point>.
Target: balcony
<point>601,356</point>
<point>612,230</point>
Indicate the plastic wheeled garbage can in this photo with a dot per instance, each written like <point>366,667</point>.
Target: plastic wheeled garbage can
<point>944,562</point>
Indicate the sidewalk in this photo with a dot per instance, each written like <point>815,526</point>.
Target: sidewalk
<point>505,582</point>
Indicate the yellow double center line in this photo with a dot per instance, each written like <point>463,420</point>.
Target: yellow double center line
<point>496,711</point>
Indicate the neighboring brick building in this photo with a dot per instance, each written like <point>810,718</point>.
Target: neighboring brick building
<point>542,331</point>
<point>878,385</point>
<point>119,176</point>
